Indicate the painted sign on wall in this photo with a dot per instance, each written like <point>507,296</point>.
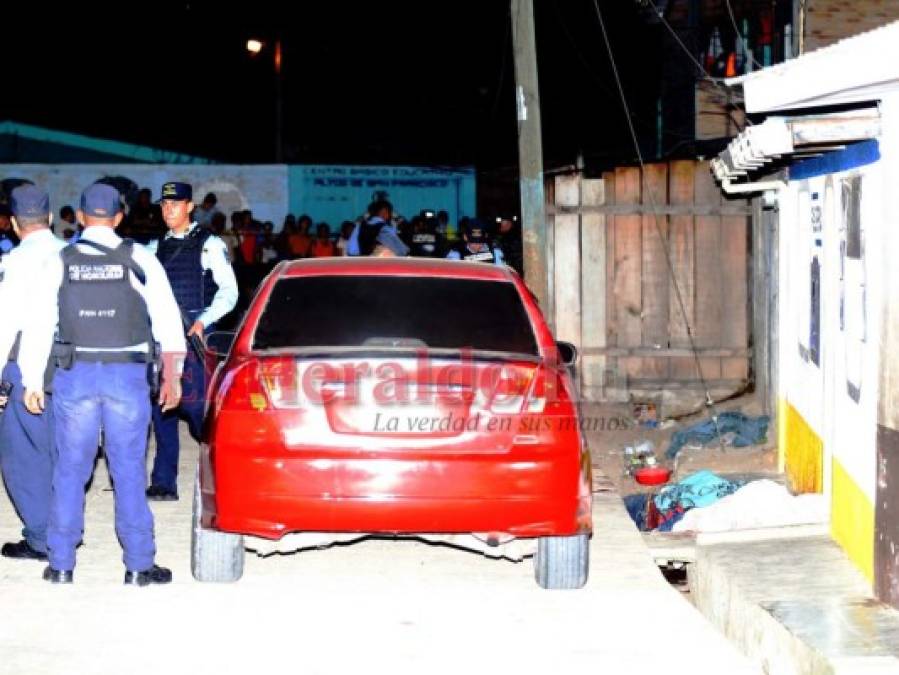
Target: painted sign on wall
<point>334,193</point>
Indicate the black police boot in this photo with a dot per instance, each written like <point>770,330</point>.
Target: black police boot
<point>161,494</point>
<point>58,576</point>
<point>21,550</point>
<point>154,575</point>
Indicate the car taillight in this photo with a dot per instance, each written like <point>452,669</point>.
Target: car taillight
<point>510,391</point>
<point>262,384</point>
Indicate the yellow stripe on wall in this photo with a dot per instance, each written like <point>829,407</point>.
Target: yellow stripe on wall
<point>802,451</point>
<point>852,521</point>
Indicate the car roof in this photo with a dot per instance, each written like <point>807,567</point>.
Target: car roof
<point>368,266</point>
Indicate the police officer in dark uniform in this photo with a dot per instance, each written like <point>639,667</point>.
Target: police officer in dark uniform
<point>426,240</point>
<point>508,238</point>
<point>112,303</point>
<point>198,267</point>
<point>476,245</point>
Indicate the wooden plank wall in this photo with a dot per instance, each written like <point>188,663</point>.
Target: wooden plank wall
<point>615,296</point>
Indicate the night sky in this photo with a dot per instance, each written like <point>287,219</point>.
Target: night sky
<point>426,83</point>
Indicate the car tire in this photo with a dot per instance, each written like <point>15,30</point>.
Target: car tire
<point>562,562</point>
<point>214,556</point>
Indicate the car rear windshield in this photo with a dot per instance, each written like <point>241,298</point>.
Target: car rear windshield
<point>381,311</point>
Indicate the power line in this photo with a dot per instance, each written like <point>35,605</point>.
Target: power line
<point>662,238</point>
<point>591,71</point>
<point>704,75</point>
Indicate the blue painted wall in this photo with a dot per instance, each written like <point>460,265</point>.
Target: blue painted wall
<point>334,193</point>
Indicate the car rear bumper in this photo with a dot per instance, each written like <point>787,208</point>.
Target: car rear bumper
<point>269,496</point>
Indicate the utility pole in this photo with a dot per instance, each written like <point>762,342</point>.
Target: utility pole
<point>530,153</point>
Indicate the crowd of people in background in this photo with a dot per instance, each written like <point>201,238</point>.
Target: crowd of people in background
<point>255,247</point>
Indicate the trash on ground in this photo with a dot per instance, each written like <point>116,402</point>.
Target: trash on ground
<point>639,456</point>
<point>645,415</point>
<point>737,430</point>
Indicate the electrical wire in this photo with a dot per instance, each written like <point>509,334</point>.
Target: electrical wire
<point>705,76</point>
<point>601,82</point>
<point>710,403</point>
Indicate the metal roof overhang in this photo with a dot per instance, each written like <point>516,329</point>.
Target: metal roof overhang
<point>777,139</point>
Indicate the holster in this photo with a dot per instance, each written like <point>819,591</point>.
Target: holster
<point>154,369</point>
<point>62,355</point>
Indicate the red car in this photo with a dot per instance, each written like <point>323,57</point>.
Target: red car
<point>399,397</point>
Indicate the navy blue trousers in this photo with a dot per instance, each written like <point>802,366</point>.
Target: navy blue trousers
<point>114,397</point>
<point>27,456</point>
<point>165,425</point>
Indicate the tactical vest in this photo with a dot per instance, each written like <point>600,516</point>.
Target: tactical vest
<point>98,306</point>
<point>194,287</point>
<point>482,256</point>
<point>424,244</point>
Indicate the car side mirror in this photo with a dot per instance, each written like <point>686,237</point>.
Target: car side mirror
<point>219,343</point>
<point>567,352</point>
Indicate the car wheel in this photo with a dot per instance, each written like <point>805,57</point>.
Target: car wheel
<point>562,562</point>
<point>214,556</point>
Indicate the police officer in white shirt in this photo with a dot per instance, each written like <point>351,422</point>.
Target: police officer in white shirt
<point>198,267</point>
<point>112,302</point>
<point>27,444</point>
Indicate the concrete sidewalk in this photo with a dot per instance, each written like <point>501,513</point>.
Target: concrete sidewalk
<point>377,606</point>
<point>796,606</point>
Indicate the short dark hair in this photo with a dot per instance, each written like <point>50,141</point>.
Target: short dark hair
<point>66,211</point>
<point>210,197</point>
<point>379,205</point>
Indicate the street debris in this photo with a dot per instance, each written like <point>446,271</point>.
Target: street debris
<point>736,430</point>
<point>645,415</point>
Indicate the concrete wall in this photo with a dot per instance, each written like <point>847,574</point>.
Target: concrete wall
<point>327,193</point>
<point>337,193</point>
<point>263,189</point>
<point>886,556</point>
<point>828,438</point>
<point>828,21</point>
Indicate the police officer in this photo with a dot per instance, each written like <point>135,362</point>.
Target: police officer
<point>508,238</point>
<point>27,444</point>
<point>112,300</point>
<point>198,267</point>
<point>364,238</point>
<point>476,245</point>
<point>426,240</point>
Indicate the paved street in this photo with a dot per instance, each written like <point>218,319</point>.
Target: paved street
<point>379,605</point>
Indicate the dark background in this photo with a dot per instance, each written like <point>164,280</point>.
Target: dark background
<point>428,83</point>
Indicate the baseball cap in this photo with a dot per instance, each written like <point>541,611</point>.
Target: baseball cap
<point>29,201</point>
<point>100,201</point>
<point>475,231</point>
<point>177,191</point>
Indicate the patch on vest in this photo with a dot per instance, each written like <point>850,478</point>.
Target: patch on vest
<point>96,272</point>
<point>423,238</point>
<point>96,313</point>
<point>483,256</point>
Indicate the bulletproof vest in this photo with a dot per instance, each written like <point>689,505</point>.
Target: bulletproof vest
<point>98,306</point>
<point>424,244</point>
<point>194,287</point>
<point>481,256</point>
